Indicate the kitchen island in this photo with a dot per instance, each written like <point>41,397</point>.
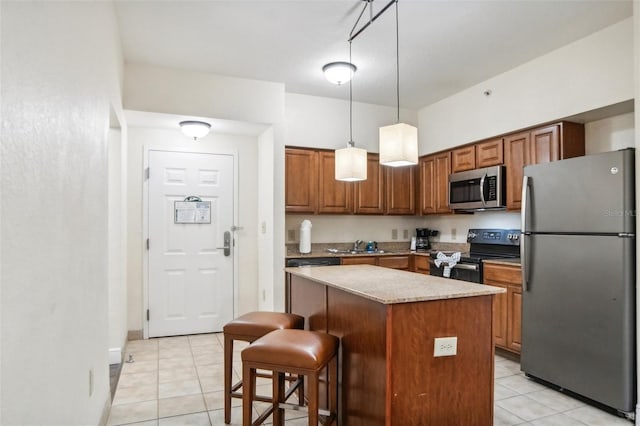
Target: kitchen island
<point>387,321</point>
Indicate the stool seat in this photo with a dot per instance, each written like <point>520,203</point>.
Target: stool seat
<point>248,328</point>
<point>307,354</point>
<point>307,350</point>
<point>256,324</point>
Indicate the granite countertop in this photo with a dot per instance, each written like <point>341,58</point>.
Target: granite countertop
<point>391,286</point>
<point>511,262</point>
<point>385,249</point>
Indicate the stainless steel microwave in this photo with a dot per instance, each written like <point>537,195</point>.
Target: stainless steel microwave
<point>480,189</point>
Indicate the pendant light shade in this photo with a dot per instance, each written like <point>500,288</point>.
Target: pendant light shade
<point>351,164</point>
<point>398,142</point>
<point>398,145</point>
<point>195,129</point>
<point>339,72</point>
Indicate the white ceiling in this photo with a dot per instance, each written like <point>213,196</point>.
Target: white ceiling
<point>445,46</point>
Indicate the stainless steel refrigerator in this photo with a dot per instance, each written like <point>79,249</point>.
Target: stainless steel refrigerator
<point>578,270</point>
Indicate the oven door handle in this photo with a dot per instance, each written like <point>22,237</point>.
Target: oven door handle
<point>466,266</point>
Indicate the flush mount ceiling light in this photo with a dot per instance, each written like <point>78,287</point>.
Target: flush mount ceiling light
<point>398,142</point>
<point>351,162</point>
<point>195,129</point>
<point>339,72</point>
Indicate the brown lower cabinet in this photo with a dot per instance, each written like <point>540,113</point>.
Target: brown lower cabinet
<point>507,310</point>
<point>395,262</point>
<point>420,264</point>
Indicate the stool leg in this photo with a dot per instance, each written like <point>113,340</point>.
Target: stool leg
<point>313,398</point>
<point>333,388</point>
<point>278,397</point>
<point>301,390</point>
<point>228,374</point>
<point>248,390</point>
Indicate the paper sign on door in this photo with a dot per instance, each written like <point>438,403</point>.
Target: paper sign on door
<point>192,212</point>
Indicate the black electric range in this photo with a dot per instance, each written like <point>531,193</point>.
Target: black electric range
<point>484,244</point>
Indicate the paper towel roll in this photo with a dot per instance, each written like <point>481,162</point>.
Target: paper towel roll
<point>305,236</point>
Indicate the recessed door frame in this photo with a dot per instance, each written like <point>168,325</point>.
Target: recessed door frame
<point>145,223</point>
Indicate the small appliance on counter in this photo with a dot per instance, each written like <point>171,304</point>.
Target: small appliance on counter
<point>422,238</point>
<point>305,237</point>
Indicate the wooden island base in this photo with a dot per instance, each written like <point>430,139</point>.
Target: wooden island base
<point>388,373</point>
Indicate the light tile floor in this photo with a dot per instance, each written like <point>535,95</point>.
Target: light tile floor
<point>178,381</point>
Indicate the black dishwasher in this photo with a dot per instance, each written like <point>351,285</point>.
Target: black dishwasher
<point>313,261</point>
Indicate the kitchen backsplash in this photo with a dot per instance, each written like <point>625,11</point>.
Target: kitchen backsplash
<point>453,228</point>
<point>320,248</point>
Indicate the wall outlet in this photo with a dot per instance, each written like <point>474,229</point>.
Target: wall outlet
<point>405,234</point>
<point>291,235</point>
<point>454,232</point>
<point>445,346</point>
<point>263,227</point>
<point>394,234</point>
<point>264,295</point>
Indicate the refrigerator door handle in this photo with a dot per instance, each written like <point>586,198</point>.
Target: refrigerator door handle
<point>482,189</point>
<point>523,239</point>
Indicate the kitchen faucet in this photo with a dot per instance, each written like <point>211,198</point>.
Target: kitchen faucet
<point>356,245</point>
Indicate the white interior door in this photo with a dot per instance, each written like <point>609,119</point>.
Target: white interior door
<point>190,284</point>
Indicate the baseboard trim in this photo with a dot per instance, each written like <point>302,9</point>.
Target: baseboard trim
<point>134,335</point>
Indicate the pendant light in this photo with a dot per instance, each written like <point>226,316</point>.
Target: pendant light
<point>351,162</point>
<point>398,142</point>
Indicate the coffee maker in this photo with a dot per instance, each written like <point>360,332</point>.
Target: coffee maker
<point>422,238</point>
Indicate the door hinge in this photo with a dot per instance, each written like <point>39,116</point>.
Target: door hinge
<point>147,315</point>
<point>147,244</point>
<point>147,173</point>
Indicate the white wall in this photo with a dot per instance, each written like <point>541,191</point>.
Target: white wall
<point>318,122</point>
<point>247,242</point>
<point>590,73</point>
<point>172,91</point>
<point>60,72</point>
<point>610,134</point>
<point>266,222</point>
<point>116,225</point>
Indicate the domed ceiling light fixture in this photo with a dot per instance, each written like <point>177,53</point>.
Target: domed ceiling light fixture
<point>351,162</point>
<point>339,72</point>
<point>195,129</point>
<point>398,143</point>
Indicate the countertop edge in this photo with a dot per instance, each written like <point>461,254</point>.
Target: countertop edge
<point>314,273</point>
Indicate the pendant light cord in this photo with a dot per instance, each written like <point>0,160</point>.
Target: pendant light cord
<point>397,63</point>
<point>350,103</point>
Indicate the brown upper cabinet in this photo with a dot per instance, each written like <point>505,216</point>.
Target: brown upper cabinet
<point>334,196</point>
<point>301,180</point>
<point>489,153</point>
<point>400,190</point>
<point>311,187</point>
<point>541,145</point>
<point>369,194</point>
<point>463,159</point>
<point>434,183</point>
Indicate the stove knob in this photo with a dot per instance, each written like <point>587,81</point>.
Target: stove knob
<point>515,237</point>
<point>509,237</point>
<point>471,236</point>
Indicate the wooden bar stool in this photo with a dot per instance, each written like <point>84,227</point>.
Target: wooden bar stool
<point>300,352</point>
<point>248,328</point>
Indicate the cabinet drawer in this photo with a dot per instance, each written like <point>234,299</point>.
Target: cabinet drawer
<point>359,260</point>
<point>395,262</point>
<point>503,274</point>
